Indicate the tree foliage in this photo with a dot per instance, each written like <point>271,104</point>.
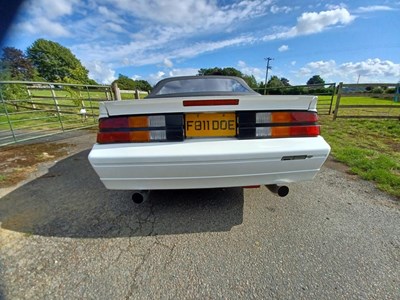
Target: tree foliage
<point>126,83</point>
<point>57,63</point>
<point>15,63</point>
<point>316,79</point>
<point>249,79</point>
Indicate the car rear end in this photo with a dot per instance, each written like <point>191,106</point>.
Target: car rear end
<point>208,142</point>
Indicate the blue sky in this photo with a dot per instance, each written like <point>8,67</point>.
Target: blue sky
<point>153,39</point>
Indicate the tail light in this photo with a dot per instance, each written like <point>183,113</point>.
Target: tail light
<point>253,125</point>
<point>131,129</point>
<point>170,127</point>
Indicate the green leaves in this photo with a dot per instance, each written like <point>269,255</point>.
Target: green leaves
<point>56,63</point>
<point>250,80</point>
<point>15,63</point>
<point>126,83</point>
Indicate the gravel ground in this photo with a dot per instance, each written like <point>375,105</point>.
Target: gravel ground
<point>63,235</point>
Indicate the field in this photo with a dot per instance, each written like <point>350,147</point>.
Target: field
<point>370,147</point>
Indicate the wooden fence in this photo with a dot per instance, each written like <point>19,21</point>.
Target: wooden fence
<point>367,100</point>
<point>127,94</point>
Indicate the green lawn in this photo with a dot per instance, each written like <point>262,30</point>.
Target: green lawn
<point>371,148</point>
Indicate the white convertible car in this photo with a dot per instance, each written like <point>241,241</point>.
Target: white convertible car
<point>207,132</point>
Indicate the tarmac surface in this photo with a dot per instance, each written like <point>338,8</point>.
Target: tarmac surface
<point>63,235</point>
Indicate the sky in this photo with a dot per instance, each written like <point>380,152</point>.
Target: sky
<point>348,41</point>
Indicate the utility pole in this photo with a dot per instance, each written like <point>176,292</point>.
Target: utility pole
<point>268,59</point>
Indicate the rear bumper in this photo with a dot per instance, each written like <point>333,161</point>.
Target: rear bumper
<point>207,163</point>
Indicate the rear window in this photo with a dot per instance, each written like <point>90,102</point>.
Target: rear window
<point>202,85</point>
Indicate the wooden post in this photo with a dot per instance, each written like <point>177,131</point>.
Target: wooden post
<point>333,96</point>
<point>30,97</point>
<point>116,91</point>
<point>338,96</point>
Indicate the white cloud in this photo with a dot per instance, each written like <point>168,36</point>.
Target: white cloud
<point>168,63</point>
<point>258,73</point>
<point>335,6</point>
<point>44,17</point>
<point>280,9</point>
<point>370,70</point>
<point>203,47</point>
<point>108,14</point>
<point>50,9</point>
<point>45,27</point>
<point>193,14</point>
<point>312,22</point>
<point>136,77</point>
<point>114,27</point>
<point>283,48</point>
<point>154,78</point>
<point>373,8</point>
<point>100,72</point>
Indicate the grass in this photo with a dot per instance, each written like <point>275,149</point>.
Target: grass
<point>371,148</point>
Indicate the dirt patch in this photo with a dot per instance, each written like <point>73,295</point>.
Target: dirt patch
<point>22,162</point>
<point>334,164</point>
<point>18,161</point>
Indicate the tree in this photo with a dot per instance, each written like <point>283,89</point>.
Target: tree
<point>55,62</point>
<point>15,63</point>
<point>285,81</point>
<point>143,85</point>
<point>275,86</point>
<point>126,83</point>
<point>249,79</point>
<point>316,79</point>
<point>211,71</point>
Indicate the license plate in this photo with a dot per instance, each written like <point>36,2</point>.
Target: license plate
<point>210,125</point>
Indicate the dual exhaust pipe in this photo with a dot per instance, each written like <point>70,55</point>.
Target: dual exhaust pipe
<point>141,196</point>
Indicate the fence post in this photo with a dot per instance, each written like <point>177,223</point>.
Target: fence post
<point>30,96</point>
<point>397,93</point>
<point>8,116</point>
<point>116,91</point>
<point>90,102</point>
<point>137,94</point>
<point>53,94</point>
<point>333,96</point>
<point>338,96</point>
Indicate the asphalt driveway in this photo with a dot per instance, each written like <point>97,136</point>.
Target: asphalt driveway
<point>64,235</point>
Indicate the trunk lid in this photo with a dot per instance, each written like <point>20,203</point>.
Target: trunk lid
<point>173,105</point>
